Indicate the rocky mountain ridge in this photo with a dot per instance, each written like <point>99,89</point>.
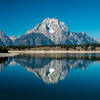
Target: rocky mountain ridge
<point>49,31</point>
<point>4,40</point>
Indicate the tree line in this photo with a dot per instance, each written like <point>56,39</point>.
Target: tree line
<point>64,46</point>
<point>3,49</point>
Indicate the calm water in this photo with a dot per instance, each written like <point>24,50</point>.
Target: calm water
<point>50,77</point>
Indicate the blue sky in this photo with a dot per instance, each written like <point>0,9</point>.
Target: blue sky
<point>17,16</point>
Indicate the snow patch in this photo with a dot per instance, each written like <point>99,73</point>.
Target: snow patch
<point>51,31</point>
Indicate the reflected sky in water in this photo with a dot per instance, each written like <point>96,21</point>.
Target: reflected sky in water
<point>50,76</point>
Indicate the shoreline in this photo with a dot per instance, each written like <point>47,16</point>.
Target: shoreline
<point>51,51</point>
<point>8,54</point>
<point>15,53</point>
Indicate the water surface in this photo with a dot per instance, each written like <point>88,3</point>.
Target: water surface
<point>50,77</point>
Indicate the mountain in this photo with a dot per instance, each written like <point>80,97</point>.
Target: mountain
<point>53,29</point>
<point>35,39</point>
<point>4,40</point>
<point>97,40</point>
<point>13,38</point>
<point>59,33</point>
<point>50,31</point>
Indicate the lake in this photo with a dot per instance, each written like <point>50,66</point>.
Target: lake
<point>50,77</point>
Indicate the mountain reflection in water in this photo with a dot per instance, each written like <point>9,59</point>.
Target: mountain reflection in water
<point>51,68</point>
<point>3,62</point>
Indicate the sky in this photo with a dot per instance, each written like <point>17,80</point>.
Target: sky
<point>18,16</point>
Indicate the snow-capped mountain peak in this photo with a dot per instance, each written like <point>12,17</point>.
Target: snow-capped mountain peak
<point>13,38</point>
<point>53,29</point>
<point>54,24</point>
<point>49,31</point>
<point>58,32</point>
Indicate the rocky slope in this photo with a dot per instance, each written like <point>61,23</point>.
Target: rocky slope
<point>35,39</point>
<point>4,40</point>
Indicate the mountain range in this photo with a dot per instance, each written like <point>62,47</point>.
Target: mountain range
<point>50,31</point>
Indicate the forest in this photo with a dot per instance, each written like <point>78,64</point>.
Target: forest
<point>3,49</point>
<point>84,47</point>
